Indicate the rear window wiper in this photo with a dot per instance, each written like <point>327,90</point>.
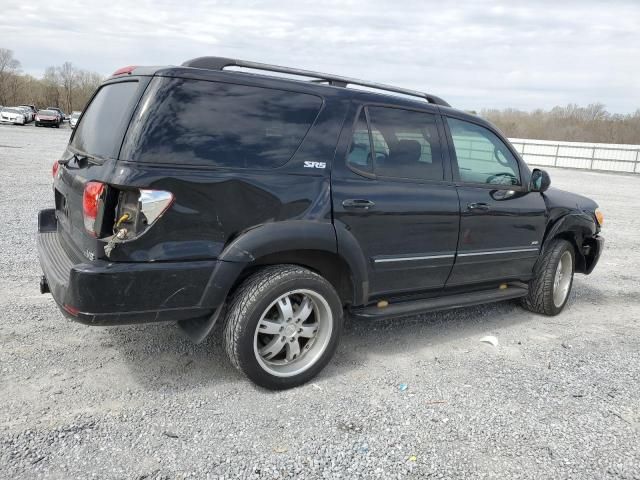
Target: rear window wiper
<point>75,156</point>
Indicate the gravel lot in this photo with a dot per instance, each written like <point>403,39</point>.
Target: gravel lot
<point>558,398</point>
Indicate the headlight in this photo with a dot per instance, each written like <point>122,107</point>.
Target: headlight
<point>599,216</point>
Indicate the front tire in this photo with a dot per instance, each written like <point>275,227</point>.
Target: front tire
<point>283,326</point>
<point>553,278</point>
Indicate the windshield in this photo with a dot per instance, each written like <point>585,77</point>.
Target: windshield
<point>75,115</point>
<point>105,120</point>
<point>11,110</point>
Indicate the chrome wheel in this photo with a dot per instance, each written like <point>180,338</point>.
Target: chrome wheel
<point>562,279</point>
<point>293,333</point>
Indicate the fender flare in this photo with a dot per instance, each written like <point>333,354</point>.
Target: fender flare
<point>578,225</point>
<point>280,237</point>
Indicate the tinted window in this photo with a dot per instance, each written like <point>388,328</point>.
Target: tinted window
<point>103,124</point>
<point>209,123</point>
<point>482,157</point>
<point>406,144</point>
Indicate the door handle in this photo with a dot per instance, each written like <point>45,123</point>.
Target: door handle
<point>358,203</point>
<point>478,207</point>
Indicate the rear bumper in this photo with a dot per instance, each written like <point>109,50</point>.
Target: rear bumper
<point>114,293</point>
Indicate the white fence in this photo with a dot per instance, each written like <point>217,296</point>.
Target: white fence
<point>589,156</point>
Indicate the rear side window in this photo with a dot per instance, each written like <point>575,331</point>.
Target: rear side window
<point>196,122</point>
<point>406,144</point>
<point>102,127</point>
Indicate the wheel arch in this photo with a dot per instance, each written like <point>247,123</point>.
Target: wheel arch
<point>577,229</point>
<point>310,244</point>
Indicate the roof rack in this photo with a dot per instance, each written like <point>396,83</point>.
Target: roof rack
<point>219,63</point>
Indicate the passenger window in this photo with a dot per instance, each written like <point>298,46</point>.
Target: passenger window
<point>360,150</point>
<point>482,157</point>
<point>406,144</point>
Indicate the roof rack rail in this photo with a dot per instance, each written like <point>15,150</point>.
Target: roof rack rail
<point>219,63</point>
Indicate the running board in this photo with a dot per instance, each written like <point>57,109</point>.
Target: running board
<point>415,307</point>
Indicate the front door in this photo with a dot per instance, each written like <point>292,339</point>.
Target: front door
<point>390,195</point>
<point>501,223</point>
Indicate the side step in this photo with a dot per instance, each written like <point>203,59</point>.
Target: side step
<point>415,307</point>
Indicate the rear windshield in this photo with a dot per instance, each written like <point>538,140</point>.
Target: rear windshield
<point>195,122</point>
<point>105,120</point>
<point>47,112</point>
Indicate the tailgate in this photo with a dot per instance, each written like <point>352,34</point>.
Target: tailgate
<point>91,155</point>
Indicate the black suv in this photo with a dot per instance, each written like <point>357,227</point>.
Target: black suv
<point>194,193</point>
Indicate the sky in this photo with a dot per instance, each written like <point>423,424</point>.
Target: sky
<point>475,54</point>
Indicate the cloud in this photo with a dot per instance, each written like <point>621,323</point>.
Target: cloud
<point>475,54</point>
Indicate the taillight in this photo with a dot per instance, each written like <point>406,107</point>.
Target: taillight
<point>54,169</point>
<point>90,200</point>
<point>153,203</point>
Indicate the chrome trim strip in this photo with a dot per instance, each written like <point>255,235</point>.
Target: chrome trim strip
<point>408,259</point>
<point>519,250</point>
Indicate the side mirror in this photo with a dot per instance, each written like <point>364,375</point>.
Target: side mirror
<point>540,180</point>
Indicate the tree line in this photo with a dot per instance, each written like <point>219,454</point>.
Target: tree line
<point>70,88</point>
<point>572,123</point>
<point>65,87</point>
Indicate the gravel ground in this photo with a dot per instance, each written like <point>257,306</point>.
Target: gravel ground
<point>558,398</point>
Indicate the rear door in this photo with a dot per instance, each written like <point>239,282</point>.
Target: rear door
<point>391,194</point>
<point>501,222</point>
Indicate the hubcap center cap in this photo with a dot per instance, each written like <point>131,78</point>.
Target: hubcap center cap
<point>290,330</point>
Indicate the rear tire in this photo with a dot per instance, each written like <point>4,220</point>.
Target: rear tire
<point>553,278</point>
<point>282,326</point>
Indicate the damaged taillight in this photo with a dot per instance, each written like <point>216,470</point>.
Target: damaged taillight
<point>90,205</point>
<point>54,169</point>
<point>153,203</point>
<point>136,212</point>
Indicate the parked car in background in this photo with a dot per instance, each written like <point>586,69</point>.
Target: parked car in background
<point>74,118</point>
<point>60,112</point>
<point>27,113</point>
<point>49,118</point>
<point>32,109</point>
<point>12,115</point>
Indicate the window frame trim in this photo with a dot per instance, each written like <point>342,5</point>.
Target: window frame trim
<point>523,170</point>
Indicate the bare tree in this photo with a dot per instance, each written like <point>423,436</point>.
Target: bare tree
<point>9,69</point>
<point>50,84</point>
<point>592,123</point>
<point>68,77</point>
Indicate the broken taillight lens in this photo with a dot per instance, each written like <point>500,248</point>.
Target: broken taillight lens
<point>139,209</point>
<point>153,203</point>
<point>90,203</point>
